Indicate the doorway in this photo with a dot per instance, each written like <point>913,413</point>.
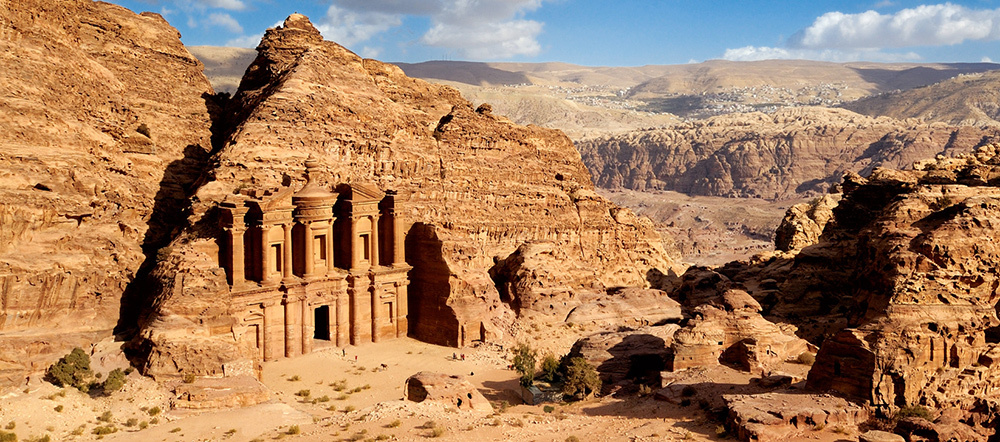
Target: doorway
<point>322,323</point>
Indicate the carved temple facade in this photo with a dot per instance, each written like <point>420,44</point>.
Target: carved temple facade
<point>315,266</point>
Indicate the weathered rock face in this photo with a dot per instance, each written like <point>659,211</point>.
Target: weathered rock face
<point>924,286</point>
<point>779,416</point>
<point>792,153</point>
<point>82,191</point>
<point>804,223</point>
<point>964,99</point>
<point>449,390</point>
<point>727,326</point>
<point>472,188</point>
<point>638,355</point>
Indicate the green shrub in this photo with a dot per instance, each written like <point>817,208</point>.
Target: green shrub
<point>572,439</point>
<point>72,370</point>
<point>581,379</point>
<point>394,423</point>
<point>8,437</point>
<point>114,382</point>
<point>806,358</point>
<point>131,422</point>
<point>107,429</point>
<point>548,408</point>
<point>550,367</point>
<point>10,425</point>
<point>154,411</point>
<point>914,411</point>
<point>59,408</point>
<point>294,429</point>
<point>189,378</point>
<point>437,431</point>
<point>303,393</point>
<point>524,363</point>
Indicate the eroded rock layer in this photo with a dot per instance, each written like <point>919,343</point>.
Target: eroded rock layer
<point>791,153</point>
<point>103,116</point>
<point>472,188</point>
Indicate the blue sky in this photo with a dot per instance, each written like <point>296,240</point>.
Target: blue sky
<point>610,33</point>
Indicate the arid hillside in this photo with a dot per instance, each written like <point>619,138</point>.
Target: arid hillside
<point>971,99</point>
<point>789,154</point>
<point>104,116</point>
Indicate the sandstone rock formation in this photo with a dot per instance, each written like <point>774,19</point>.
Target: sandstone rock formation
<point>472,188</point>
<point>791,153</point>
<point>638,355</point>
<point>804,223</point>
<point>780,416</point>
<point>726,326</point>
<point>103,119</point>
<point>449,390</point>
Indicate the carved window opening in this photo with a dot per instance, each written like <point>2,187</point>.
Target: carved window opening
<point>319,245</point>
<point>276,257</point>
<point>388,311</point>
<point>366,247</point>
<point>321,321</point>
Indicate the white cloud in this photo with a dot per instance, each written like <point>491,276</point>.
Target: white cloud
<point>245,41</point>
<point>986,59</point>
<point>225,21</point>
<point>489,40</point>
<point>477,29</point>
<point>755,53</point>
<point>348,27</point>
<point>884,4</point>
<point>925,25</point>
<point>370,52</point>
<point>232,5</point>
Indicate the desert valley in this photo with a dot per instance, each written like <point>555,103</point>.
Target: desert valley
<point>296,242</point>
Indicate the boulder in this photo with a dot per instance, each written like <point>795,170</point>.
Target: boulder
<point>639,355</point>
<point>880,436</point>
<point>449,390</point>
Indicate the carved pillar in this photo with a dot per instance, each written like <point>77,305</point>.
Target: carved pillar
<point>353,246</point>
<point>398,241</point>
<point>266,264</point>
<point>329,247</point>
<point>272,331</point>
<point>308,327</point>
<point>355,314</point>
<point>293,332</point>
<point>376,310</point>
<point>374,241</point>
<point>343,319</point>
<point>286,253</point>
<point>237,266</point>
<point>310,258</point>
<point>402,306</point>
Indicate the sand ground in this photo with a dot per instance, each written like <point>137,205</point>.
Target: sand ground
<point>327,396</point>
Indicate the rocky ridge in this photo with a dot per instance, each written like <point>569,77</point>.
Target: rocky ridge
<point>791,153</point>
<point>473,187</point>
<point>103,118</point>
<point>969,99</point>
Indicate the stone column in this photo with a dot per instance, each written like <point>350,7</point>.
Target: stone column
<point>310,258</point>
<point>265,250</point>
<point>342,320</point>
<point>286,253</point>
<point>273,342</point>
<point>293,331</point>
<point>237,273</point>
<point>398,242</point>
<point>376,310</point>
<point>329,247</point>
<point>401,309</point>
<point>353,245</point>
<point>355,315</point>
<point>374,242</point>
<point>308,327</point>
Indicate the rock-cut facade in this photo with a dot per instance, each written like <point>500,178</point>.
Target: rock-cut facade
<point>315,266</point>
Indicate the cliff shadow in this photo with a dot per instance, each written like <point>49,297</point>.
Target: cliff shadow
<point>171,208</point>
<point>638,358</point>
<point>430,317</point>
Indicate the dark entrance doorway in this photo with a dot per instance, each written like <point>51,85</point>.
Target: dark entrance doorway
<point>322,323</point>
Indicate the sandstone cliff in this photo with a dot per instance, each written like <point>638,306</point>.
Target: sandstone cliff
<point>473,187</point>
<point>82,191</point>
<point>791,153</point>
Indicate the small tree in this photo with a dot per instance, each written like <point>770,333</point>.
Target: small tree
<point>114,382</point>
<point>72,370</point>
<point>581,379</point>
<point>524,363</point>
<point>550,368</point>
